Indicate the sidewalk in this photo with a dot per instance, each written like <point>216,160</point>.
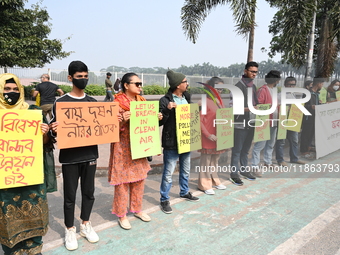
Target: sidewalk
<point>259,217</point>
<point>251,219</point>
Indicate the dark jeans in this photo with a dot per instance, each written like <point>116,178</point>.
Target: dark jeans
<point>71,173</point>
<point>293,139</point>
<point>239,153</point>
<point>307,133</point>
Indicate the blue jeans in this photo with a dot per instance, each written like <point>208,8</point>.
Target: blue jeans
<point>268,147</point>
<point>293,139</point>
<point>170,158</point>
<point>239,153</point>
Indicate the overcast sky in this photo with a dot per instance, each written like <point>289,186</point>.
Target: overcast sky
<point>148,34</point>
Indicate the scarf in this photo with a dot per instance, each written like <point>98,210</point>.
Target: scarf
<point>249,83</point>
<point>21,104</point>
<point>124,100</point>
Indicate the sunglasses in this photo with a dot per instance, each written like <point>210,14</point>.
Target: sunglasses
<point>138,84</point>
<point>253,71</point>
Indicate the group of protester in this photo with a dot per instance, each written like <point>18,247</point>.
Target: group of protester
<point>128,175</point>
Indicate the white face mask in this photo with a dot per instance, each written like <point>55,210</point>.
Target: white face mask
<point>335,87</point>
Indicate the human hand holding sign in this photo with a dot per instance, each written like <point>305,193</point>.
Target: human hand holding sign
<point>212,138</point>
<point>53,126</point>
<point>160,116</point>
<point>126,115</point>
<point>44,128</point>
<point>172,105</point>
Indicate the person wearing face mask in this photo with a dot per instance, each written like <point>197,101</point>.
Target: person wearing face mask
<point>23,232</point>
<point>308,123</point>
<point>292,136</point>
<point>331,91</point>
<point>78,162</point>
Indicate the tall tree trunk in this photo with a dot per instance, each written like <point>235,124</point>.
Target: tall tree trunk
<point>251,45</point>
<point>327,51</point>
<point>251,37</point>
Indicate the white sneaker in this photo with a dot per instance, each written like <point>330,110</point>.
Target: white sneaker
<point>221,186</point>
<point>209,192</point>
<point>71,242</point>
<point>88,232</point>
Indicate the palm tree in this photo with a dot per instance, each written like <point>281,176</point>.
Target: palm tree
<point>290,28</point>
<point>194,12</point>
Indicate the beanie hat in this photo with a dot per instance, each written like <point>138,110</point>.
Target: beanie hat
<point>175,79</point>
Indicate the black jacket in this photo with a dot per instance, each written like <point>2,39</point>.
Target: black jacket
<point>169,137</point>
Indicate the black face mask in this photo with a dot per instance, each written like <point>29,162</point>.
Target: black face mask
<point>11,98</point>
<point>80,83</point>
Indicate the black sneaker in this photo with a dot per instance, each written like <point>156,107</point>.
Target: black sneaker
<point>165,207</point>
<point>237,181</point>
<point>248,176</point>
<point>190,197</point>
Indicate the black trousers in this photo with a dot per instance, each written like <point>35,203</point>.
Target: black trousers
<point>71,173</point>
<point>307,133</point>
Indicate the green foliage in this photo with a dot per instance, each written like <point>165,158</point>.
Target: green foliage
<point>95,90</point>
<point>24,36</point>
<point>291,26</point>
<point>65,88</point>
<point>195,90</point>
<point>29,90</point>
<point>154,90</point>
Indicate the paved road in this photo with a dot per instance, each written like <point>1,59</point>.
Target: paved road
<point>267,216</point>
<point>276,215</point>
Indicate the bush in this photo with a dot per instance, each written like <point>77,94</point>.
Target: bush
<point>65,88</point>
<point>95,90</point>
<point>28,90</point>
<point>195,90</point>
<point>154,90</point>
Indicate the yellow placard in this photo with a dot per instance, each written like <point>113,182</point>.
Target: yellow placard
<point>21,148</point>
<point>224,129</point>
<point>262,128</point>
<point>294,119</point>
<point>188,128</point>
<point>281,130</point>
<point>337,95</point>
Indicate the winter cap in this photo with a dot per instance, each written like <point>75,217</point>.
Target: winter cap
<point>175,79</point>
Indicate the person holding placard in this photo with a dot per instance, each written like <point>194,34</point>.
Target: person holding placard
<point>292,136</point>
<point>177,94</point>
<point>77,163</point>
<point>23,210</point>
<point>243,134</point>
<point>331,91</point>
<point>208,178</point>
<point>127,175</point>
<point>265,96</point>
<point>308,123</point>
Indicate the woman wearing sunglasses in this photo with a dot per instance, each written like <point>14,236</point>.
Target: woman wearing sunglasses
<point>127,175</point>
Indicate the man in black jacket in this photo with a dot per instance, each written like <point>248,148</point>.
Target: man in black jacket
<point>243,133</point>
<point>177,94</point>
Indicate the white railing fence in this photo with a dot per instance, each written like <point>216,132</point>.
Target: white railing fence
<point>29,75</point>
